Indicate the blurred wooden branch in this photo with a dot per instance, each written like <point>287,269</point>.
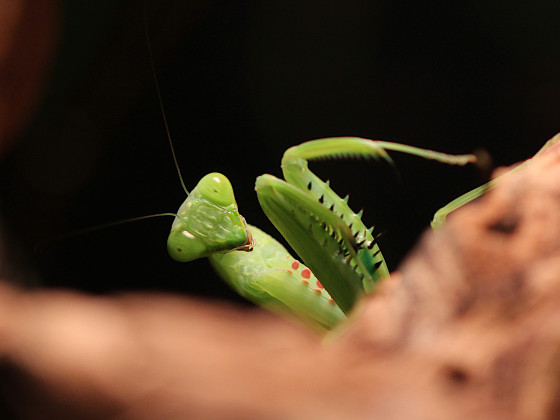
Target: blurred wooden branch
<point>28,34</point>
<point>468,328</point>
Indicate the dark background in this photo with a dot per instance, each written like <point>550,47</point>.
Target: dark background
<point>242,81</point>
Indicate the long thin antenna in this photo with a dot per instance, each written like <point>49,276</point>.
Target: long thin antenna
<point>80,232</point>
<point>154,73</point>
<point>117,223</point>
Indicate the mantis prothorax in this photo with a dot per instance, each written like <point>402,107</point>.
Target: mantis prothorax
<point>326,234</point>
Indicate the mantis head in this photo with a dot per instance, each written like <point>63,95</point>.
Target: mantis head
<point>208,222</point>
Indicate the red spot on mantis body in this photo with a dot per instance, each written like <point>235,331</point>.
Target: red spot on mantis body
<point>295,265</point>
<point>319,285</point>
<point>306,273</point>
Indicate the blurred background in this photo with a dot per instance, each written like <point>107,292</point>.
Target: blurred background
<point>241,82</point>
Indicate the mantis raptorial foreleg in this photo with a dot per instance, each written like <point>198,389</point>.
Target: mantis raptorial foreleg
<point>318,224</point>
<point>308,213</point>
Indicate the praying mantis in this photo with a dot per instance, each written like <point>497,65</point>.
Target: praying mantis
<point>342,259</point>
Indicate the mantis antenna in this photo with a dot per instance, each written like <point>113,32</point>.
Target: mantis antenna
<point>158,91</point>
<point>80,232</point>
<point>150,216</point>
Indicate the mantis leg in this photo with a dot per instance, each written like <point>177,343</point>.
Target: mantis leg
<point>441,214</point>
<point>311,231</point>
<point>309,214</point>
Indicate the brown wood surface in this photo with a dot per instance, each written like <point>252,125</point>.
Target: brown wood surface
<point>468,328</point>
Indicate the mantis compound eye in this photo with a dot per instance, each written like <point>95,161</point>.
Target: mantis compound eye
<point>183,246</point>
<point>217,189</point>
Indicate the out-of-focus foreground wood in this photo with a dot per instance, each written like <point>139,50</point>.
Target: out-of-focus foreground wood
<point>468,328</point>
<point>28,30</point>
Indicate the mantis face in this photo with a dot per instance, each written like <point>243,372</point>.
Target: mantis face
<point>208,221</point>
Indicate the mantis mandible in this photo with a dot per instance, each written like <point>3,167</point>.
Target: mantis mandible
<point>329,237</point>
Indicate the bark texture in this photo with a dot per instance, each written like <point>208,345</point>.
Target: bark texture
<point>468,328</point>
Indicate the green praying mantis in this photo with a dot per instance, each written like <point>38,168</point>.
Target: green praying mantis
<point>342,259</point>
